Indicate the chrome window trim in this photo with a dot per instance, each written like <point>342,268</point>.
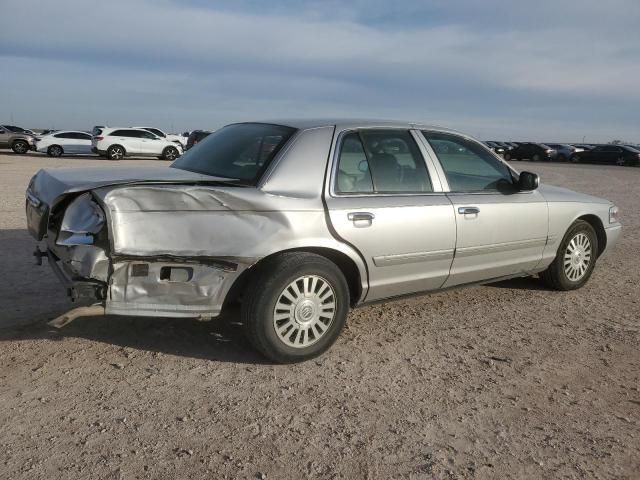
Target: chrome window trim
<point>335,153</point>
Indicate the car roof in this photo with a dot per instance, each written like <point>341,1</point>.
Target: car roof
<point>68,131</point>
<point>348,123</point>
<point>126,128</point>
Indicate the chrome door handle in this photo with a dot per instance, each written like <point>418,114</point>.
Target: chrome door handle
<point>361,216</point>
<point>468,210</point>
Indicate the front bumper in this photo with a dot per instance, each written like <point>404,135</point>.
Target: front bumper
<point>613,234</point>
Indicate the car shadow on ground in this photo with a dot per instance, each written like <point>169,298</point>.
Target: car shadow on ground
<point>522,283</point>
<point>219,340</point>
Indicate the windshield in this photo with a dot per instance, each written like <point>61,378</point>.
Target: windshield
<point>241,151</point>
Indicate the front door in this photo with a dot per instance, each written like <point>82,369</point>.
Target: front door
<point>500,231</point>
<point>387,202</point>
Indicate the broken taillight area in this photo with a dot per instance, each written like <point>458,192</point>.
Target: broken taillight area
<point>82,222</point>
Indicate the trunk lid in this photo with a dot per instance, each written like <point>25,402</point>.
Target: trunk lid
<point>49,186</point>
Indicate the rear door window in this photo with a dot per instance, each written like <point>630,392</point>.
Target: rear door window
<point>381,161</point>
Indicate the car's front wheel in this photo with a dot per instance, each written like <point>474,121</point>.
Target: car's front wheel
<point>295,306</point>
<point>536,157</point>
<point>507,156</point>
<point>20,147</point>
<point>575,260</point>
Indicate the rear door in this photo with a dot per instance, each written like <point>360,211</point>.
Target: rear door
<point>386,200</point>
<point>500,230</point>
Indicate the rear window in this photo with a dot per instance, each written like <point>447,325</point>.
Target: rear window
<point>241,151</point>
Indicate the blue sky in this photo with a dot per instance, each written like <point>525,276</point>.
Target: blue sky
<point>554,70</point>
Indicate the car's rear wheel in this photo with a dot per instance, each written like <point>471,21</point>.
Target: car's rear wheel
<point>575,260</point>
<point>115,152</point>
<point>20,147</point>
<point>55,151</point>
<point>295,306</point>
<point>170,153</point>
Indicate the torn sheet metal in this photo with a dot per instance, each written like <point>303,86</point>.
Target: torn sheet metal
<point>150,289</point>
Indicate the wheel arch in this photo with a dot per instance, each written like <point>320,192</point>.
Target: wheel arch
<point>117,145</point>
<point>347,266</point>
<point>598,226</point>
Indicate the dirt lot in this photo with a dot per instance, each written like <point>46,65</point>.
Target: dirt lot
<point>504,381</point>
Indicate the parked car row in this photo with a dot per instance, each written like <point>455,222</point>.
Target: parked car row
<point>565,152</point>
<point>117,143</point>
<point>113,143</point>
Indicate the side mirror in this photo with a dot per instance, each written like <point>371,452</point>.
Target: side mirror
<point>528,181</point>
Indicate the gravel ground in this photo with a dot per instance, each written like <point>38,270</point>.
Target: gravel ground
<point>509,380</point>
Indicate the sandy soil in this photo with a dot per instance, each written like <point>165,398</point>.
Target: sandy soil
<point>504,381</point>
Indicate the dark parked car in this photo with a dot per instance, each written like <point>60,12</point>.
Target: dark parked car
<point>611,154</point>
<point>497,147</point>
<point>564,151</point>
<point>195,137</point>
<point>535,152</point>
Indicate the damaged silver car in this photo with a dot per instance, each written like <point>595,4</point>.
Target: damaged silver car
<point>299,221</point>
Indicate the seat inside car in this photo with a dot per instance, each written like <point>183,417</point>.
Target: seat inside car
<point>386,170</point>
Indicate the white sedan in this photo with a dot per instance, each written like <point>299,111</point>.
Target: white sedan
<point>65,142</point>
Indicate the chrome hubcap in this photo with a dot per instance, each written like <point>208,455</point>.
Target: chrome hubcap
<point>304,311</point>
<point>116,153</point>
<point>577,257</point>
<point>20,147</point>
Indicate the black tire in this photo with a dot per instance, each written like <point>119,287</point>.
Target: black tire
<point>170,153</point>
<point>555,276</point>
<point>561,158</point>
<point>574,159</point>
<point>621,162</point>
<point>536,157</point>
<point>20,147</point>
<point>507,156</point>
<point>116,152</point>
<point>55,151</point>
<point>266,288</point>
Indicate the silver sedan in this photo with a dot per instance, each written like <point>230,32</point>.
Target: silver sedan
<point>299,221</point>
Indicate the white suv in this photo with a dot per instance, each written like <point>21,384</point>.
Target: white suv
<point>181,139</point>
<point>115,143</point>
